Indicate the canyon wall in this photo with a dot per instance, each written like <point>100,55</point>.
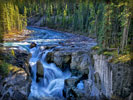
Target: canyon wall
<point>109,80</point>
<point>116,79</point>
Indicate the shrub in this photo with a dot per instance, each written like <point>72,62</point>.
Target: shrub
<point>4,68</point>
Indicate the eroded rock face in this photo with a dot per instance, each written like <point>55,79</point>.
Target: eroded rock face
<point>78,61</point>
<point>62,59</point>
<point>73,53</point>
<point>70,85</point>
<point>109,79</point>
<point>97,81</point>
<point>73,90</point>
<point>17,57</point>
<point>16,86</point>
<point>116,79</point>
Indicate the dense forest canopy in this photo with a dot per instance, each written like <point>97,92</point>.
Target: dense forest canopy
<point>110,21</point>
<point>10,18</point>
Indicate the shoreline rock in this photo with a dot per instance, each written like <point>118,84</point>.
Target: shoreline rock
<point>16,86</point>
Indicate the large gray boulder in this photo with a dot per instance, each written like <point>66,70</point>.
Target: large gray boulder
<point>72,92</point>
<point>40,70</point>
<point>16,86</point>
<point>62,59</point>
<point>80,62</point>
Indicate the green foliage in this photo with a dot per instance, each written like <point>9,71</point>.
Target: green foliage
<point>108,21</point>
<point>4,68</point>
<point>25,17</point>
<point>10,18</point>
<point>1,23</point>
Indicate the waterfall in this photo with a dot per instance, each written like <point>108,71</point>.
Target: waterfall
<point>52,83</point>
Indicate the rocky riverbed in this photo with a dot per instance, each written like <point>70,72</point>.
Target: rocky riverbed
<point>93,77</point>
<point>82,61</point>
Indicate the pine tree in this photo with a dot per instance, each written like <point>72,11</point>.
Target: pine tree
<point>18,21</point>
<point>7,25</point>
<point>1,22</point>
<point>25,17</point>
<point>126,19</point>
<point>11,12</point>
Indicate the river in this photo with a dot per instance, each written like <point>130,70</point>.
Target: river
<point>52,83</point>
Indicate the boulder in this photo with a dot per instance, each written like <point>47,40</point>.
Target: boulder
<point>16,86</point>
<point>71,92</point>
<point>70,84</point>
<point>77,61</point>
<point>28,57</point>
<point>14,56</point>
<point>40,70</point>
<point>32,45</point>
<point>50,57</point>
<point>62,59</point>
<point>80,62</point>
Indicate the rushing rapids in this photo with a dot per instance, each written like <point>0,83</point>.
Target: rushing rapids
<point>52,83</point>
<point>91,76</point>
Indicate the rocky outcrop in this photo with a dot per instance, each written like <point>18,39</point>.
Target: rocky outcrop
<point>72,92</point>
<point>80,62</point>
<point>62,59</point>
<point>40,70</point>
<point>109,80</point>
<point>16,86</point>
<point>115,79</point>
<point>77,60</point>
<point>16,57</point>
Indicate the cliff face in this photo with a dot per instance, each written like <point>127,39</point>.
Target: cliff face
<point>96,78</point>
<point>15,85</point>
<point>116,79</point>
<point>105,79</point>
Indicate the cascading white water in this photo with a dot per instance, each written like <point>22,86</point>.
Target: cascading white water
<point>52,83</point>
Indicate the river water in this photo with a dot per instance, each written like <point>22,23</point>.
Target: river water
<point>40,37</point>
<point>52,83</point>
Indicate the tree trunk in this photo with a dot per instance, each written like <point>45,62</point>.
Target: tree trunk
<point>125,35</point>
<point>96,27</point>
